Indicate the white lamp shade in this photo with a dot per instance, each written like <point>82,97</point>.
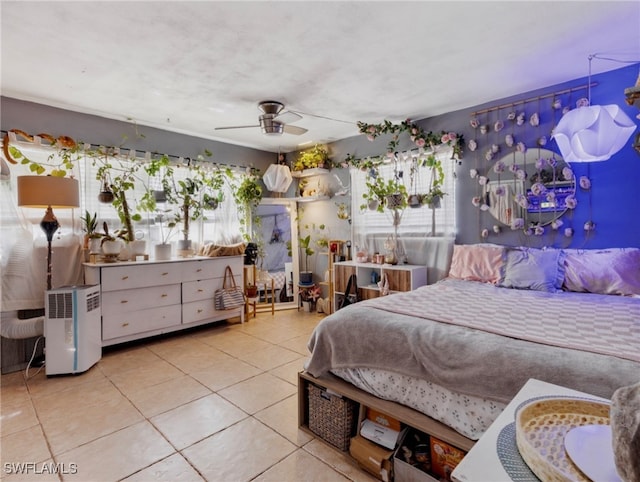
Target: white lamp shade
<point>592,133</point>
<point>48,191</point>
<point>277,178</point>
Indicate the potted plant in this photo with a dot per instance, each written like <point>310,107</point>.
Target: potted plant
<point>434,196</point>
<point>111,244</point>
<point>163,248</point>
<point>380,193</point>
<point>91,234</point>
<point>304,244</point>
<point>247,195</point>
<point>317,156</point>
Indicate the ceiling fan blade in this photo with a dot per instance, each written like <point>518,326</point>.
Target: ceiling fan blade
<point>288,117</point>
<point>233,127</point>
<point>295,130</point>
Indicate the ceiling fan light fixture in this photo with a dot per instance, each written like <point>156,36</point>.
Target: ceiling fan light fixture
<point>270,127</point>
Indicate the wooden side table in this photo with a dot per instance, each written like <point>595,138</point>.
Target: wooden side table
<point>482,464</point>
<point>265,285</point>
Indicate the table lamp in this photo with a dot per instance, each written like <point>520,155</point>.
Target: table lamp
<point>48,192</point>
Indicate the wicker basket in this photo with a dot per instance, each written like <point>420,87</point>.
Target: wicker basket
<point>541,425</point>
<point>332,417</point>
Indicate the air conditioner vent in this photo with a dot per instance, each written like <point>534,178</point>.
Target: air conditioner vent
<point>93,301</point>
<point>60,305</point>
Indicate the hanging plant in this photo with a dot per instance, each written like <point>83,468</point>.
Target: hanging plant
<point>416,134</point>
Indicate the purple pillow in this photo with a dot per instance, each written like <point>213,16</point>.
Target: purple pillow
<point>604,271</point>
<point>533,269</point>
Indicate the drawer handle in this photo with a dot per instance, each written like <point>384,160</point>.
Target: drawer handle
<point>125,324</point>
<point>165,273</point>
<point>124,301</point>
<point>198,270</point>
<point>200,290</point>
<point>200,310</point>
<point>163,295</point>
<point>125,277</point>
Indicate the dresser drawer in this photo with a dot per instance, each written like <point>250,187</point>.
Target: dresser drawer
<point>136,276</point>
<point>200,290</point>
<point>200,310</point>
<point>122,301</point>
<point>203,269</point>
<point>134,322</point>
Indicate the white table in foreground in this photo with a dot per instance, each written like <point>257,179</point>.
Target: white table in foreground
<point>482,464</point>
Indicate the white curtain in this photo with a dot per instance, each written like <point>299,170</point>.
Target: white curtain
<point>371,228</point>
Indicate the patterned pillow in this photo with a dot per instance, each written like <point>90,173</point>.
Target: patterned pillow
<point>533,269</point>
<point>606,271</point>
<point>476,262</point>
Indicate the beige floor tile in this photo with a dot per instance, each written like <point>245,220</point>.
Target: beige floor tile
<point>28,445</point>
<point>300,465</point>
<point>196,420</point>
<point>258,392</point>
<point>297,344</point>
<point>223,338</point>
<point>42,386</point>
<point>238,453</point>
<point>78,415</point>
<point>242,345</point>
<point>119,454</point>
<point>340,461</point>
<point>13,389</point>
<point>289,371</point>
<point>283,418</point>
<point>275,333</point>
<point>18,416</point>
<point>269,357</point>
<point>172,469</point>
<point>167,395</point>
<point>225,373</point>
<point>145,376</point>
<point>197,357</point>
<point>117,360</point>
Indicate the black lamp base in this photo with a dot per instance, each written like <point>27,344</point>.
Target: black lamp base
<point>49,225</point>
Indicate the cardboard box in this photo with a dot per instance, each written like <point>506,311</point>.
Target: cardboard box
<point>444,458</point>
<point>383,419</point>
<point>412,458</point>
<point>372,457</point>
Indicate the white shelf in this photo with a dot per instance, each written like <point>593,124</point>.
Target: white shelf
<point>316,171</point>
<point>310,199</point>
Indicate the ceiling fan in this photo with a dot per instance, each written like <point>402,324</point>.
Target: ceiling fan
<point>273,121</point>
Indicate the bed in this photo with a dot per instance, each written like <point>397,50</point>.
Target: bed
<point>460,349</point>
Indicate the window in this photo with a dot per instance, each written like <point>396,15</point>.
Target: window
<point>414,222</point>
<point>221,225</point>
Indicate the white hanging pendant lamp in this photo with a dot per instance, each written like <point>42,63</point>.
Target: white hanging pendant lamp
<point>278,177</point>
<point>592,133</point>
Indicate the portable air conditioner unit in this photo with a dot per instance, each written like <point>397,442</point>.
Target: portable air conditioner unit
<point>72,329</point>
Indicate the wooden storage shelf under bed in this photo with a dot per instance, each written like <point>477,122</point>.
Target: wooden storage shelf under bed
<point>404,414</point>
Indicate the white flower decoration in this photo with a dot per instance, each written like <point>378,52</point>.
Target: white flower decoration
<point>476,201</point>
<point>571,202</point>
<point>482,180</point>
<point>585,183</point>
<point>499,167</point>
<point>589,226</point>
<point>540,163</point>
<point>582,102</point>
<point>520,119</point>
<point>538,230</point>
<point>496,229</point>
<point>484,207</point>
<point>488,155</point>
<point>542,141</point>
<point>500,191</point>
<point>508,140</point>
<point>538,188</point>
<point>556,224</point>
<point>520,147</point>
<point>483,129</point>
<point>484,233</point>
<point>473,173</point>
<point>511,115</point>
<point>567,173</point>
<point>568,232</point>
<point>495,148</point>
<point>473,145</point>
<point>475,123</point>
<point>556,104</point>
<point>498,125</point>
<point>518,223</point>
<point>534,120</point>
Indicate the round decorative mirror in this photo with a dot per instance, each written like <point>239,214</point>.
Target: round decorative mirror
<point>537,186</point>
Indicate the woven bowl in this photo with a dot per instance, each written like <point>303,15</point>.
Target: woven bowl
<point>541,425</point>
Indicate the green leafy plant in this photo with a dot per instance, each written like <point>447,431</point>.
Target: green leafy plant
<point>379,190</point>
<point>90,225</point>
<point>304,244</point>
<point>317,156</point>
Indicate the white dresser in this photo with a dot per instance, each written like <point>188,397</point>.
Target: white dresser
<point>146,298</point>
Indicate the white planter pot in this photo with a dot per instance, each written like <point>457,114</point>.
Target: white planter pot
<point>94,245</point>
<point>306,306</point>
<point>162,252</point>
<point>111,248</point>
<point>184,248</point>
<point>138,247</point>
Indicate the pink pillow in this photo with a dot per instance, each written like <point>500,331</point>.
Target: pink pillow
<point>606,271</point>
<point>476,262</point>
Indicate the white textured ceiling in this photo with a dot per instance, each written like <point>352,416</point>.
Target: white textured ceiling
<point>190,67</point>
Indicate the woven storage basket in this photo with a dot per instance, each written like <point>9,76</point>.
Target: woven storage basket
<point>541,425</point>
<point>331,417</point>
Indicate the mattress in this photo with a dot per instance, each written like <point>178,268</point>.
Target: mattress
<point>468,415</point>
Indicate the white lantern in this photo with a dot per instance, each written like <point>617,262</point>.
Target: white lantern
<point>277,178</point>
<point>592,133</point>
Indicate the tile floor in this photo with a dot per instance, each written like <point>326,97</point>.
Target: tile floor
<point>216,404</point>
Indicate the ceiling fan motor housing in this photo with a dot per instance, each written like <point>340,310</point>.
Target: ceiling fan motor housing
<point>271,109</point>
